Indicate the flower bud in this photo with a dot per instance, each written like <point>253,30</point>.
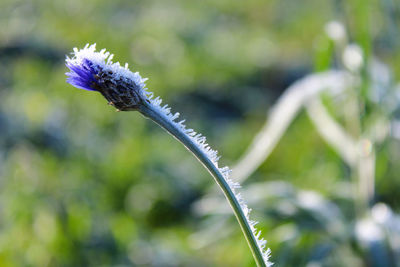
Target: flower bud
<point>94,71</point>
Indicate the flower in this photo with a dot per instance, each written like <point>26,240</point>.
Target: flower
<point>95,71</point>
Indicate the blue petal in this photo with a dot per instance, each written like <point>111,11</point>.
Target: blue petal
<point>82,76</point>
<point>80,85</point>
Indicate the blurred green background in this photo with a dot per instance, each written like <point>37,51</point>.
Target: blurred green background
<point>83,185</point>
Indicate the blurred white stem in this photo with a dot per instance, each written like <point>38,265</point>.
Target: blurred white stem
<point>282,114</point>
<point>359,155</point>
<point>332,132</point>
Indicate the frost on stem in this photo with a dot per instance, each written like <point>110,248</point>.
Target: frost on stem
<point>200,141</point>
<point>95,71</point>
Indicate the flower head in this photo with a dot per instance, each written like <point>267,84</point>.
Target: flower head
<point>95,71</point>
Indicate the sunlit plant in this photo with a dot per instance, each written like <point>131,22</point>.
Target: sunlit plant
<point>125,90</point>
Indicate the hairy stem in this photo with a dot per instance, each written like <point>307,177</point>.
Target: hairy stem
<point>148,110</point>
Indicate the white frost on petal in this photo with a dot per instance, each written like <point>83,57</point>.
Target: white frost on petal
<point>103,60</point>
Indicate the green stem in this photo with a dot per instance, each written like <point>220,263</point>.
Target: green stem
<point>150,112</point>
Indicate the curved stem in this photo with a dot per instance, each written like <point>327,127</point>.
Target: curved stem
<point>150,112</point>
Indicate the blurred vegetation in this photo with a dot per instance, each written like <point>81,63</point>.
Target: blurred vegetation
<point>82,185</point>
